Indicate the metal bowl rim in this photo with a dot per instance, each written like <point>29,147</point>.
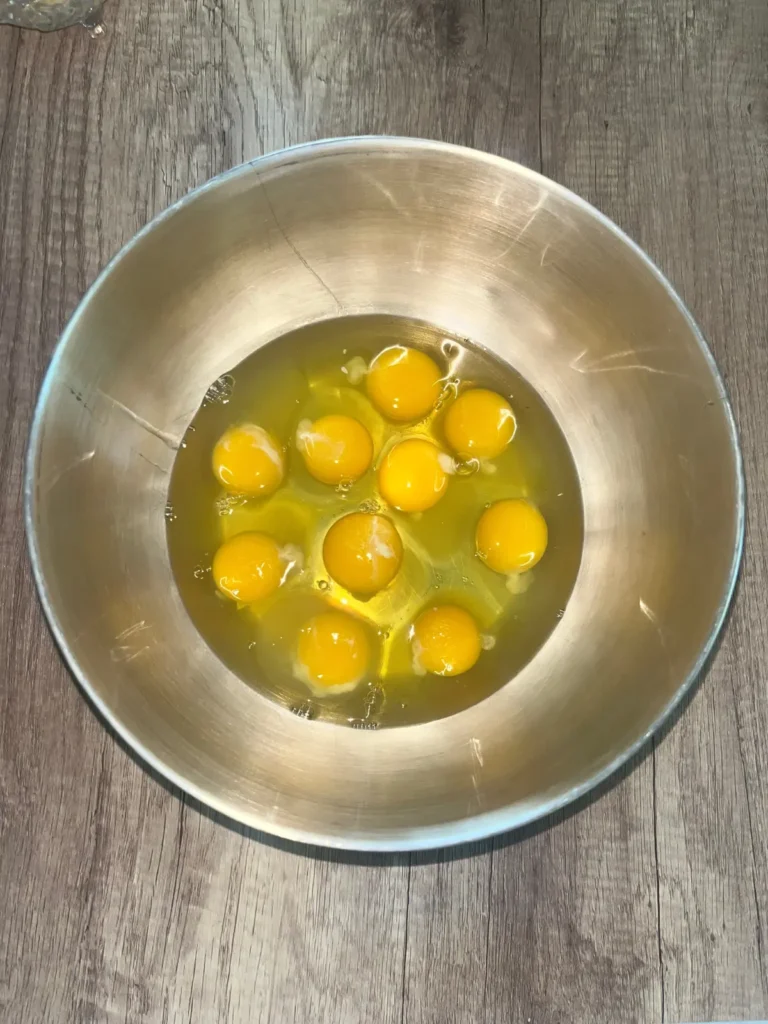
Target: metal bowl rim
<point>477,827</point>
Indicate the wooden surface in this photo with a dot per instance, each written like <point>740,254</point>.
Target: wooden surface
<point>121,900</point>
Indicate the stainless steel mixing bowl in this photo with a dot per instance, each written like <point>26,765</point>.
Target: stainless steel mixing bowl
<point>479,247</point>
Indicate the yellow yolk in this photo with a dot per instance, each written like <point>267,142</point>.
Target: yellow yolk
<point>403,383</point>
<point>363,552</point>
<point>247,459</point>
<point>333,652</point>
<point>445,641</point>
<point>413,475</point>
<point>480,424</point>
<point>335,449</point>
<point>250,567</point>
<point>511,536</point>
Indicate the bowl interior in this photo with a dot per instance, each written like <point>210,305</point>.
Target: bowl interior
<point>481,248</point>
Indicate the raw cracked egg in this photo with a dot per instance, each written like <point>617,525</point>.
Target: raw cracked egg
<point>403,383</point>
<point>248,460</point>
<point>479,424</point>
<point>445,641</point>
<point>362,552</point>
<point>511,536</point>
<point>413,475</point>
<point>336,449</point>
<point>333,653</point>
<point>251,566</point>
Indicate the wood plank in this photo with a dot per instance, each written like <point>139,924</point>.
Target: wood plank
<point>573,913</point>
<point>126,902</point>
<point>713,791</point>
<point>463,71</point>
<point>448,935</point>
<point>656,112</point>
<point>9,48</point>
<point>470,75</point>
<point>577,900</point>
<point>52,750</point>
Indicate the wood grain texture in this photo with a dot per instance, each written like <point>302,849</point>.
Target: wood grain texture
<point>124,901</point>
<point>656,112</point>
<point>464,71</point>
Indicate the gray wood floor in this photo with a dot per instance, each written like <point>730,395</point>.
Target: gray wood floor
<point>122,901</point>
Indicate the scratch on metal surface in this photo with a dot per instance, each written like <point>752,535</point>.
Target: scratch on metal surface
<point>154,465</point>
<point>85,457</point>
<point>126,654</point>
<point>476,750</point>
<point>538,208</point>
<point>653,618</point>
<point>135,628</point>
<point>168,439</point>
<point>541,203</point>
<point>599,365</point>
<point>418,256</point>
<point>292,245</point>
<point>649,613</point>
<point>371,180</point>
<point>478,794</point>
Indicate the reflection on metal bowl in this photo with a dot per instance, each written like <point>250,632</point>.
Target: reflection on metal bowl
<point>482,248</point>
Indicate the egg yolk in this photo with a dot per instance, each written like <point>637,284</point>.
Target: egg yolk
<point>445,641</point>
<point>335,449</point>
<point>362,552</point>
<point>333,652</point>
<point>248,567</point>
<point>511,536</point>
<point>413,475</point>
<point>480,424</point>
<point>403,383</point>
<point>248,459</point>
